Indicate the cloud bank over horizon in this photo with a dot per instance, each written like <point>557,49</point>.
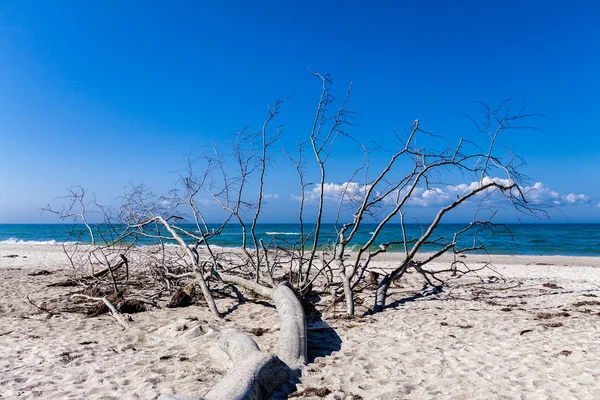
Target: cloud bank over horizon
<point>536,194</point>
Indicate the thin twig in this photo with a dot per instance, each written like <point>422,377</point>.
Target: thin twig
<point>113,311</point>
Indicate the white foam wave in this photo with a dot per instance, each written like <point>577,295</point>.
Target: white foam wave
<point>150,246</point>
<point>176,245</point>
<point>13,240</point>
<point>283,233</point>
<point>216,246</point>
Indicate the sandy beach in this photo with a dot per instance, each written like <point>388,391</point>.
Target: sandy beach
<point>527,329</point>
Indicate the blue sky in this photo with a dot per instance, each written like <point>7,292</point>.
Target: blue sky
<point>102,94</point>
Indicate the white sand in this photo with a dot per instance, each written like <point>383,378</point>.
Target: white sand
<point>462,344</point>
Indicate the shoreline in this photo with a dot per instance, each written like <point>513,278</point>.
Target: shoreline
<point>527,259</point>
<point>8,249</point>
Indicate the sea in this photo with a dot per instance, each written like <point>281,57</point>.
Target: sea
<point>514,239</point>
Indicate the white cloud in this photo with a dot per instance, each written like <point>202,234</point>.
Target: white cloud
<point>464,188</point>
<point>271,196</point>
<point>428,197</point>
<point>577,199</point>
<point>205,202</point>
<point>335,192</point>
<point>443,195</point>
<point>164,202</point>
<point>540,194</point>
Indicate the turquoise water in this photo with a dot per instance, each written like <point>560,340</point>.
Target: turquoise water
<point>528,239</point>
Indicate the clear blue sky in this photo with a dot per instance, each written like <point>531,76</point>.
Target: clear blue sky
<point>102,94</point>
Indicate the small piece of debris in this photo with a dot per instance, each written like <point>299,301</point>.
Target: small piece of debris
<point>258,331</point>
<point>587,303</point>
<point>551,285</point>
<point>88,342</point>
<point>525,331</point>
<point>310,392</point>
<point>506,309</point>
<point>181,298</point>
<point>100,308</point>
<point>444,323</point>
<point>40,272</point>
<point>565,353</point>
<point>167,357</point>
<point>67,283</point>
<point>550,315</point>
<point>553,324</point>
<point>589,295</point>
<point>131,306</point>
<point>67,357</point>
<point>11,256</point>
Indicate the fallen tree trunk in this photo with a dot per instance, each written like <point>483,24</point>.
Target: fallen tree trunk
<point>292,336</point>
<point>257,375</point>
<point>123,262</point>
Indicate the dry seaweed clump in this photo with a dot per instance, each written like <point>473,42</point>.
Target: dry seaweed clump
<point>312,392</point>
<point>587,303</point>
<point>552,315</point>
<point>258,331</point>
<point>131,306</point>
<point>321,392</point>
<point>551,285</point>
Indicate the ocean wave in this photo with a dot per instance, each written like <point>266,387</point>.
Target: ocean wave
<point>221,246</point>
<point>156,245</point>
<point>176,245</point>
<point>355,247</point>
<point>19,241</point>
<point>220,233</point>
<point>282,233</point>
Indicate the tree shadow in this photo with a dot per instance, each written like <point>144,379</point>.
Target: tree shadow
<point>241,299</point>
<point>322,339</point>
<point>426,291</point>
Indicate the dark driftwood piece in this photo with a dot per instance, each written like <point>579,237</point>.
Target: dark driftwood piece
<point>183,297</point>
<point>113,311</point>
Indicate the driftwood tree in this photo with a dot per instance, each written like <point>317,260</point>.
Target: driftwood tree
<point>475,175</point>
<point>389,195</point>
<point>101,248</point>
